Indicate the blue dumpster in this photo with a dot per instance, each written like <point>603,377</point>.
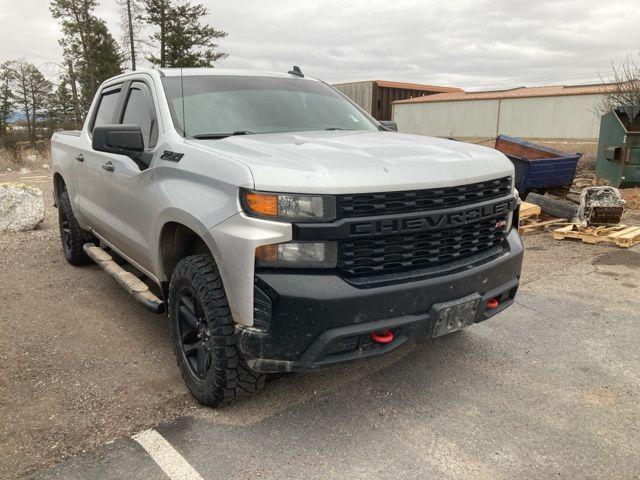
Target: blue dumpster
<point>538,168</point>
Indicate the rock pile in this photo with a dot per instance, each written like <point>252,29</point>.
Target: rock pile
<point>21,207</point>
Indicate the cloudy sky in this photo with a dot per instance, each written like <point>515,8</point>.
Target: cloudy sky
<point>473,44</point>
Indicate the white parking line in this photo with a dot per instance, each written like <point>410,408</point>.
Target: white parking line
<point>167,457</point>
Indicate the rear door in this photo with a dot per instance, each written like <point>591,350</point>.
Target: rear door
<point>127,187</point>
<point>89,163</point>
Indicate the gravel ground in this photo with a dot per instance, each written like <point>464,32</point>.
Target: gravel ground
<point>82,364</point>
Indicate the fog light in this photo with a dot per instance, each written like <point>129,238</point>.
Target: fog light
<point>298,255</point>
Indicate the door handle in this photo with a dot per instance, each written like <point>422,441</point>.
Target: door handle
<point>108,166</point>
<point>80,157</point>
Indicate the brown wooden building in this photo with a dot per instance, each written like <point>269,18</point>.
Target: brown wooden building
<point>375,96</point>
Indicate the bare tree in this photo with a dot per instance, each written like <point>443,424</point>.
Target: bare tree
<point>34,93</point>
<point>622,86</point>
<point>131,15</point>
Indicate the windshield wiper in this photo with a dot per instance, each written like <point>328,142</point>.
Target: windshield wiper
<point>215,136</point>
<point>338,128</point>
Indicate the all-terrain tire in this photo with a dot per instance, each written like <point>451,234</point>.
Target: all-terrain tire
<point>224,375</point>
<point>71,235</point>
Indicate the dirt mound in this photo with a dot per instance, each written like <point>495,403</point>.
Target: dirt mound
<point>632,196</point>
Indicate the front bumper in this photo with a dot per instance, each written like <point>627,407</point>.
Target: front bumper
<point>321,319</point>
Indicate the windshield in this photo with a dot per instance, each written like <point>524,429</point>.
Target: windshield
<point>218,105</point>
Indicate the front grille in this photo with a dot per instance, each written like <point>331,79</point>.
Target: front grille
<point>363,204</point>
<point>402,252</point>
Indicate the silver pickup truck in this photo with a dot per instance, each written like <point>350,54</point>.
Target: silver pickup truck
<point>280,226</point>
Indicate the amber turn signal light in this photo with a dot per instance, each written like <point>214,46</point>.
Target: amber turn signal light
<point>261,203</point>
<point>267,254</point>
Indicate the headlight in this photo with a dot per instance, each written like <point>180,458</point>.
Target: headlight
<point>298,255</point>
<point>289,206</point>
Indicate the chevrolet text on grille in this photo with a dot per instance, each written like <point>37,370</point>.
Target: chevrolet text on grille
<point>433,221</point>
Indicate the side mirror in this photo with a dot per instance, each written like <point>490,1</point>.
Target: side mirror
<point>120,139</point>
<point>389,125</point>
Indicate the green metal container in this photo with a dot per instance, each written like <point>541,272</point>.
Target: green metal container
<point>618,158</point>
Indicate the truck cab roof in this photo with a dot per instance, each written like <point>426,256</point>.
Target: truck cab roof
<point>176,72</point>
<point>191,72</point>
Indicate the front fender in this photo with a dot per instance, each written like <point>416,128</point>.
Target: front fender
<point>236,240</point>
<point>232,244</point>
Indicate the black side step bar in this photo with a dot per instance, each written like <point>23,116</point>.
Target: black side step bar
<point>128,280</point>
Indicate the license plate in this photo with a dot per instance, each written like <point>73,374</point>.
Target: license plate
<point>455,315</point>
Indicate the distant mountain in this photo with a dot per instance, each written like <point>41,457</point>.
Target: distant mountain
<point>16,117</point>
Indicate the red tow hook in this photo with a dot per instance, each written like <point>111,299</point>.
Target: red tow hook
<point>492,303</point>
<point>382,336</point>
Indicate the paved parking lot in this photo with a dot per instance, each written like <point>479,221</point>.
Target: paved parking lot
<point>549,389</point>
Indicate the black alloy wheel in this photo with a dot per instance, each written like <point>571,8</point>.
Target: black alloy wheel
<point>194,333</point>
<point>65,232</point>
<point>203,334</point>
<point>72,236</point>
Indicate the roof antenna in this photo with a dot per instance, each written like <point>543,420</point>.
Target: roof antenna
<point>296,71</point>
<point>184,119</point>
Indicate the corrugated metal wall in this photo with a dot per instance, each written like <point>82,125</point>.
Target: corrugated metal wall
<point>359,92</point>
<point>473,118</point>
<point>570,116</point>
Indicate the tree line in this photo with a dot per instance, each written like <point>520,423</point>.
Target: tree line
<point>91,54</point>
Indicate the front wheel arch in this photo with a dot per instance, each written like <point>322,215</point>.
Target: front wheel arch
<point>177,241</point>
<point>59,187</point>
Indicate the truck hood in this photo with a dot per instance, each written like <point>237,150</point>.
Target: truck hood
<point>359,162</point>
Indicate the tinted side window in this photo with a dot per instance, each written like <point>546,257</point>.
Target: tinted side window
<point>107,107</point>
<point>139,111</point>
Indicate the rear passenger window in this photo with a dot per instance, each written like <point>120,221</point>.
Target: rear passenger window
<point>139,111</point>
<point>107,107</point>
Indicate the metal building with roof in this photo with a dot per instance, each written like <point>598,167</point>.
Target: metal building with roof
<point>550,112</point>
<point>376,96</point>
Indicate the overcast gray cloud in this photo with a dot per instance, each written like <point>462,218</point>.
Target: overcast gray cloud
<point>474,44</point>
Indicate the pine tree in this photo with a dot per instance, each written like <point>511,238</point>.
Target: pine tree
<point>7,99</point>
<point>107,53</point>
<point>158,13</point>
<point>104,62</point>
<point>87,41</point>
<point>75,98</point>
<point>61,112</point>
<point>76,17</point>
<point>184,41</point>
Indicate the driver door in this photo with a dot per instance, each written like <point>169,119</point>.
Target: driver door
<point>127,187</point>
<point>90,198</point>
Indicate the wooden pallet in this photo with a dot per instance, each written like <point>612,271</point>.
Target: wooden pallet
<point>621,235</point>
<point>534,223</point>
<point>529,210</point>
<point>532,219</point>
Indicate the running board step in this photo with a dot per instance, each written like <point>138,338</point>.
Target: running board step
<point>128,280</point>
